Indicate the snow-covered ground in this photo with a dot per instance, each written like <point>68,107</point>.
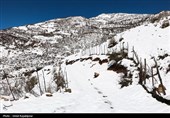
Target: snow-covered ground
<point>104,94</point>
<point>90,95</point>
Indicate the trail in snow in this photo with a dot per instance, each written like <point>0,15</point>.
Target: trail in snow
<point>91,95</point>
<point>87,93</point>
<point>128,99</point>
<point>103,94</point>
<point>84,98</point>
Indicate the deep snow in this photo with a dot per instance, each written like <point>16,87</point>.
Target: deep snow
<point>103,94</point>
<point>90,95</point>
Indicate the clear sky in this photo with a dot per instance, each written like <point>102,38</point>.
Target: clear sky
<point>22,12</point>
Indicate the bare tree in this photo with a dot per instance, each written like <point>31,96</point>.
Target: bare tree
<point>5,76</point>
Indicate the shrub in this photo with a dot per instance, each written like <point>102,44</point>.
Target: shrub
<point>49,89</point>
<point>118,68</point>
<point>118,56</point>
<point>112,43</point>
<point>96,59</point>
<point>168,69</point>
<point>17,67</point>
<point>103,61</point>
<point>59,80</point>
<point>154,19</point>
<point>31,83</point>
<point>68,90</point>
<point>163,56</point>
<point>96,75</point>
<point>47,34</point>
<point>125,82</point>
<point>165,24</point>
<point>121,39</point>
<point>28,73</point>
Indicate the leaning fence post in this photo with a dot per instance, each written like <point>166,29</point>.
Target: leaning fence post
<point>39,81</point>
<point>137,58</point>
<point>44,81</point>
<point>133,53</point>
<point>159,76</point>
<point>127,47</point>
<point>5,77</point>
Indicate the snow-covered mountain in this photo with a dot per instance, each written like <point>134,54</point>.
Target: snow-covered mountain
<point>62,37</point>
<point>120,63</point>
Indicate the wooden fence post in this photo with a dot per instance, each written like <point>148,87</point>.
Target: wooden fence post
<point>66,78</point>
<point>10,88</point>
<point>39,82</point>
<point>152,77</point>
<point>5,77</point>
<point>137,58</point>
<point>127,47</point>
<point>133,53</point>
<point>44,81</point>
<point>144,76</point>
<point>159,76</point>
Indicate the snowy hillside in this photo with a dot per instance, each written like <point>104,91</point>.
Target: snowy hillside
<point>57,38</point>
<point>90,95</point>
<point>128,72</point>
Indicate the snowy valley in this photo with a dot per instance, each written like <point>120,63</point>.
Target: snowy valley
<point>112,63</point>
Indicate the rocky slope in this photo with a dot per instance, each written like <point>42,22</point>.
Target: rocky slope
<point>26,49</point>
<point>57,38</point>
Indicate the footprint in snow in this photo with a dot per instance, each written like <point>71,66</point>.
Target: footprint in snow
<point>96,88</point>
<point>108,102</point>
<point>99,92</point>
<point>104,96</point>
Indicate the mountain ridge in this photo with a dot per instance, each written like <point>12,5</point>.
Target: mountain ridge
<point>66,36</point>
<point>55,39</point>
<point>73,28</point>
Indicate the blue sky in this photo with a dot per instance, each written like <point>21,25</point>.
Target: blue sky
<point>22,12</point>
